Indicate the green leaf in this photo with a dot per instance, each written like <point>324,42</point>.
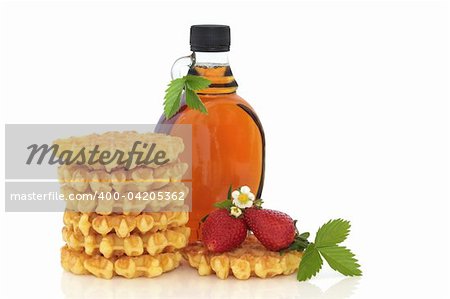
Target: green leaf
<point>172,106</point>
<point>226,204</point>
<point>299,244</point>
<point>341,259</point>
<point>333,232</point>
<point>194,102</point>
<point>230,190</point>
<point>196,82</point>
<point>172,98</point>
<point>304,236</point>
<point>177,84</point>
<point>338,257</point>
<point>189,83</point>
<point>310,264</point>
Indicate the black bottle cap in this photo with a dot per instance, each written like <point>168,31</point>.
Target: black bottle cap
<point>210,38</point>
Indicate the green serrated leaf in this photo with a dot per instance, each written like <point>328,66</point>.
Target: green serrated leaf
<point>333,232</point>
<point>176,84</point>
<point>310,264</point>
<point>172,97</point>
<point>226,204</point>
<point>196,82</point>
<point>172,105</point>
<point>194,102</point>
<point>171,93</point>
<point>174,91</point>
<point>341,259</point>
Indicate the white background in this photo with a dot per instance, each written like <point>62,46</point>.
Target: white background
<point>353,97</point>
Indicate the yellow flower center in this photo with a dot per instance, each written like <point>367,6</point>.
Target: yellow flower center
<point>243,198</point>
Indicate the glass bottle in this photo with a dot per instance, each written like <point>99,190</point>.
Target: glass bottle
<point>228,144</point>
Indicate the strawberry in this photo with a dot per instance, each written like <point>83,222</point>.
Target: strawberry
<point>274,229</point>
<point>222,232</point>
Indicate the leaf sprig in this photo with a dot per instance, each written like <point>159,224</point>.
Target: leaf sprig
<point>326,245</point>
<point>188,84</point>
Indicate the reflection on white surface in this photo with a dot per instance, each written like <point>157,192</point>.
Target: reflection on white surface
<point>185,283</point>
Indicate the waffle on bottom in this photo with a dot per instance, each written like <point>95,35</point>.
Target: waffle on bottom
<point>145,265</point>
<point>250,259</point>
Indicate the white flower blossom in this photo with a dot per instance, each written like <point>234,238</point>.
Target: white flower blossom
<point>243,197</point>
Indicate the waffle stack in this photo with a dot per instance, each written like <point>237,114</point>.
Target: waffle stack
<point>111,231</point>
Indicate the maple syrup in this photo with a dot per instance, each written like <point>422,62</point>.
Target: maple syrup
<point>228,144</point>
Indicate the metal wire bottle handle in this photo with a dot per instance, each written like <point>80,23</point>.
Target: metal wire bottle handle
<point>181,66</point>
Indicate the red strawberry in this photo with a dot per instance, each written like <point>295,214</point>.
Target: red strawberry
<point>274,229</point>
<point>222,232</point>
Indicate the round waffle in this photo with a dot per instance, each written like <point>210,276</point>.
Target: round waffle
<point>128,203</point>
<point>140,179</point>
<point>250,259</point>
<point>79,262</point>
<point>123,225</point>
<point>121,141</point>
<point>133,245</point>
